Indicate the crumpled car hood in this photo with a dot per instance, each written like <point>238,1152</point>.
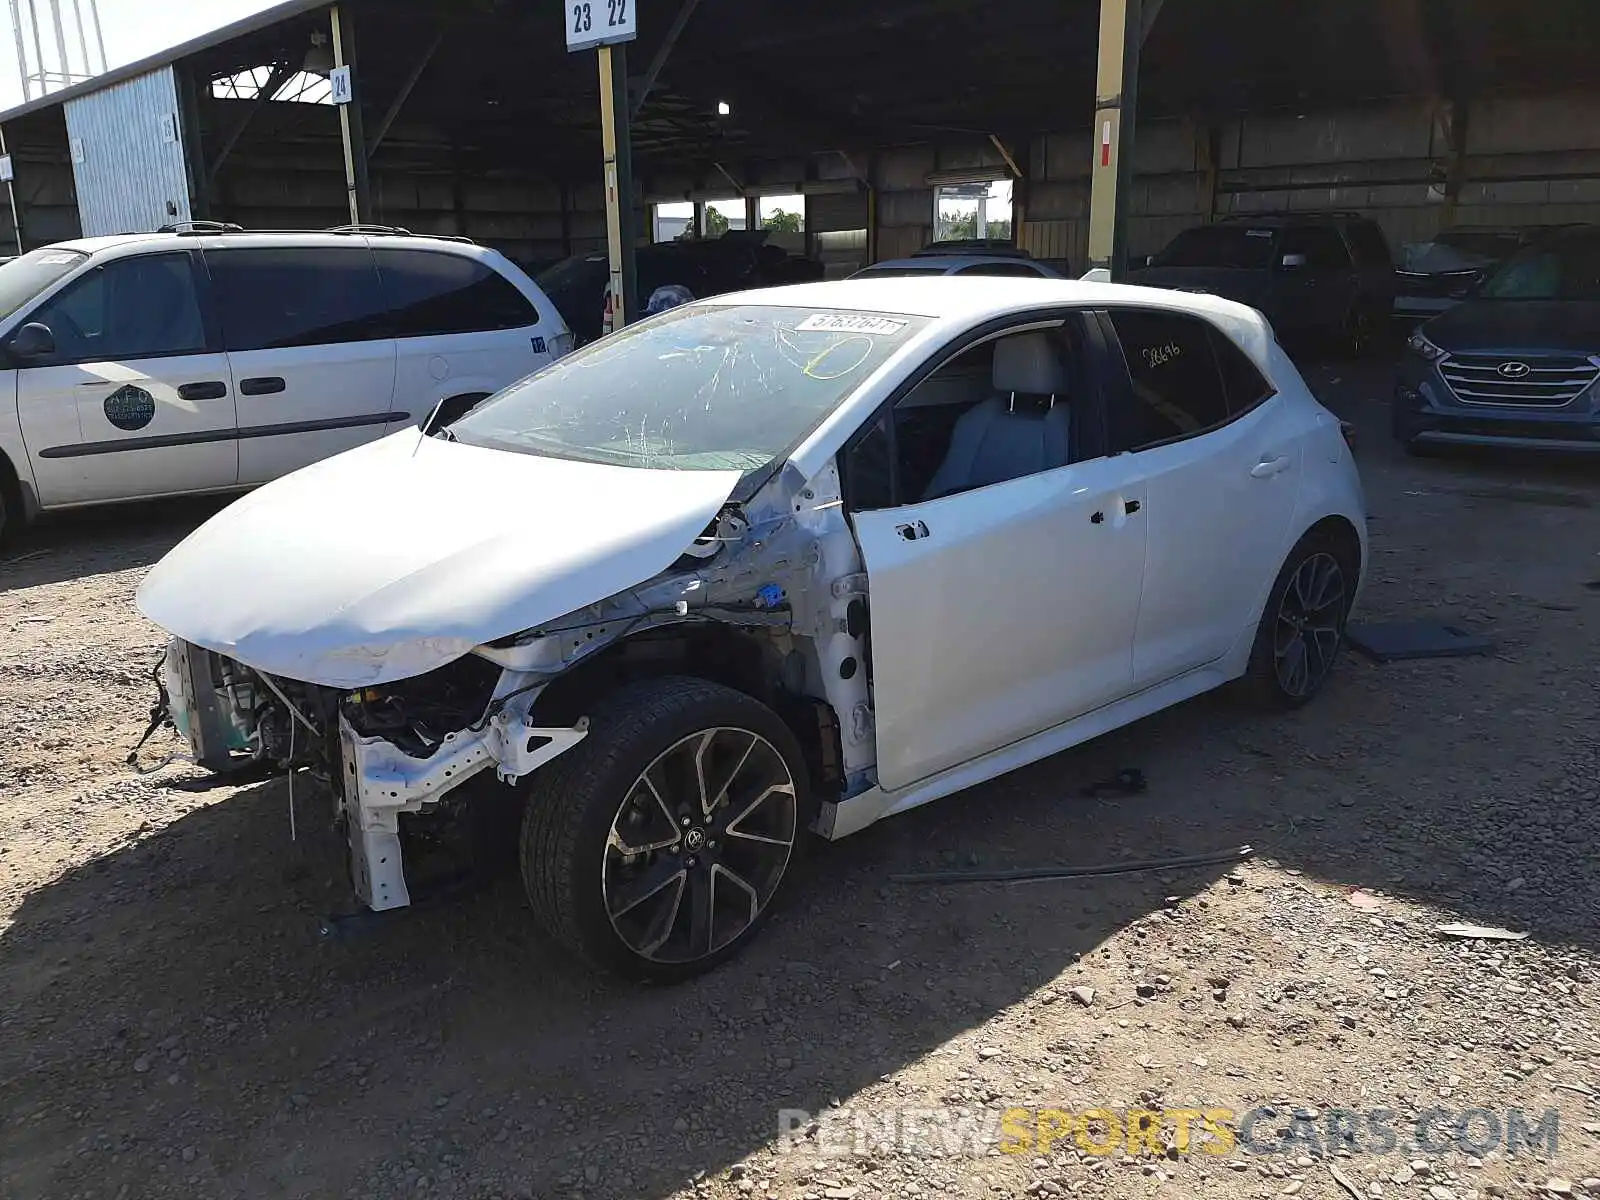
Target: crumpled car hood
<point>401,556</point>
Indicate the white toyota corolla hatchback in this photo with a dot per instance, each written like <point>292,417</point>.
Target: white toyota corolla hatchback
<point>802,558</point>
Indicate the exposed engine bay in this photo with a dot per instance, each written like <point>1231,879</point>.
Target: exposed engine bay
<point>771,598</point>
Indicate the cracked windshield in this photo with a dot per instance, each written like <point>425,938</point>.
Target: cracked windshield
<point>702,389</point>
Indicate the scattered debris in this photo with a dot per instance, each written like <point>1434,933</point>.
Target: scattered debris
<point>1030,874</point>
<point>1083,994</point>
<point>1480,932</point>
<point>1129,781</point>
<point>1400,641</point>
<point>1343,1181</point>
<point>1576,1087</point>
<point>1365,901</point>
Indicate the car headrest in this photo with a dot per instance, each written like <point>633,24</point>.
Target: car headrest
<point>1027,364</point>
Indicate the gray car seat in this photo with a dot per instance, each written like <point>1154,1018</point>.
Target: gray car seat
<point>1022,431</point>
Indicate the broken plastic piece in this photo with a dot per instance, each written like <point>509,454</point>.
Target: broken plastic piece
<point>1129,781</point>
<point>1484,932</point>
<point>1394,641</point>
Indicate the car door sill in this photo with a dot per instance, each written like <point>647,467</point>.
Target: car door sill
<point>845,817</point>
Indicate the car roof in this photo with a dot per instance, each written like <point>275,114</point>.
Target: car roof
<point>974,297</point>
<point>266,239</point>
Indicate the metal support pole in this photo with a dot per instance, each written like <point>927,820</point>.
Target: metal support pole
<point>752,211</point>
<point>83,38</point>
<point>617,145</point>
<point>99,35</point>
<point>200,178</point>
<point>22,50</point>
<point>404,94</point>
<point>1116,109</point>
<point>38,49</point>
<point>355,150</point>
<point>1456,172</point>
<point>61,43</point>
<point>699,220</point>
<point>11,194</point>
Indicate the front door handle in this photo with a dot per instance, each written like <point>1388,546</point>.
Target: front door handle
<point>210,389</point>
<point>1129,507</point>
<point>1267,468</point>
<point>268,385</point>
<point>913,532</point>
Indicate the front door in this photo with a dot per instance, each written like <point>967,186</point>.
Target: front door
<point>309,349</point>
<point>1313,295</point>
<point>135,400</point>
<point>1003,595</point>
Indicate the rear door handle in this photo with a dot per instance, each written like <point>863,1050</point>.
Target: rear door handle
<point>1267,468</point>
<point>210,389</point>
<point>268,385</point>
<point>1129,507</point>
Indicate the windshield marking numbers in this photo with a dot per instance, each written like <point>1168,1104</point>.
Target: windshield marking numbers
<point>850,323</point>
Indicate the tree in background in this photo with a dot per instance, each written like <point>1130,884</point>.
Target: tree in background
<point>783,222</point>
<point>964,227</point>
<point>716,223</point>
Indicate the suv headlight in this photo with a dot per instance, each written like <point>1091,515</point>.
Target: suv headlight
<point>1419,344</point>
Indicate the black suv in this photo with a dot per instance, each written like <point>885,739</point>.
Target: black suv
<point>1320,277</point>
<point>1516,364</point>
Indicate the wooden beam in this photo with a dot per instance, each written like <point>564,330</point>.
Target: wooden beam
<point>653,71</point>
<point>403,95</point>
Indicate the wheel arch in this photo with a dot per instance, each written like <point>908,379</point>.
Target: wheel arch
<point>12,492</point>
<point>736,658</point>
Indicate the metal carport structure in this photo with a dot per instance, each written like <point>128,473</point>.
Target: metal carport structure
<point>471,118</point>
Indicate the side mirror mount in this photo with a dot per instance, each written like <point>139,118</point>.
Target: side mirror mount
<point>33,340</point>
<point>447,412</point>
<point>1293,262</point>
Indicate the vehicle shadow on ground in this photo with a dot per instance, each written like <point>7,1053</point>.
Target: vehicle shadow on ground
<point>144,987</point>
<point>72,545</point>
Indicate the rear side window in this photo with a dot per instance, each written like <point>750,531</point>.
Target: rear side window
<point>272,299</point>
<point>1321,244</point>
<point>1177,389</point>
<point>1009,269</point>
<point>1243,382</point>
<point>431,292</point>
<point>1370,246</point>
<point>142,307</point>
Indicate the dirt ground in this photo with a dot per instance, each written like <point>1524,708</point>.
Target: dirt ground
<point>171,1023</point>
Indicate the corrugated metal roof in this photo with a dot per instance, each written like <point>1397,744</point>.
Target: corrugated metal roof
<point>217,37</point>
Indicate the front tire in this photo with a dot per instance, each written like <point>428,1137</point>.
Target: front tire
<point>1302,626</point>
<point>658,846</point>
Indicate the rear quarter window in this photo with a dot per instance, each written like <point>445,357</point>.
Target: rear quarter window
<point>431,292</point>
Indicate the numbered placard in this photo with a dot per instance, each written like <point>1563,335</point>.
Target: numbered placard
<point>600,23</point>
<point>339,79</point>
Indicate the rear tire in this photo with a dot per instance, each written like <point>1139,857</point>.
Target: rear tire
<point>1302,626</point>
<point>659,845</point>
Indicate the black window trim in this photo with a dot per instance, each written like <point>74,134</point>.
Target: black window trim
<point>1055,317</point>
<point>1120,358</point>
<point>210,321</point>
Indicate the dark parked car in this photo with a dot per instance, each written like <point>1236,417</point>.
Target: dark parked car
<point>1316,276</point>
<point>578,286</point>
<point>1436,276</point>
<point>1517,363</point>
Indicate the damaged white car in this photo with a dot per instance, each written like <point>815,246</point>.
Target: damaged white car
<point>789,560</point>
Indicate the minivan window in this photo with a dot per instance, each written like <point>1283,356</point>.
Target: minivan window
<point>128,308</point>
<point>275,298</point>
<point>698,388</point>
<point>432,292</point>
<point>23,278</point>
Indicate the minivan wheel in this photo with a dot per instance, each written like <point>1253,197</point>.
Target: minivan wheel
<point>1302,626</point>
<point>658,846</point>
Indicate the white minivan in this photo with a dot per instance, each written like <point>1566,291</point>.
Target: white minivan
<point>212,361</point>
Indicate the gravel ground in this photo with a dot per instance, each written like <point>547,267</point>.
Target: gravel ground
<point>171,1024</point>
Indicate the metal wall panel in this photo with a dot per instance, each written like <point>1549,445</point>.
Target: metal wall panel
<point>127,156</point>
